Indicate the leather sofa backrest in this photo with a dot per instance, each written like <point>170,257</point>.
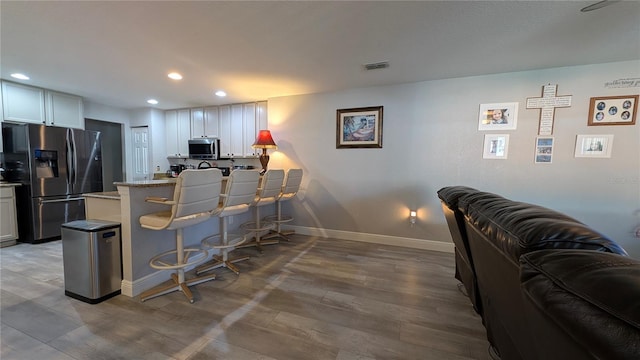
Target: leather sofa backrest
<point>517,228</point>
<point>465,271</point>
<point>582,304</point>
<point>449,195</point>
<point>455,220</point>
<point>449,199</point>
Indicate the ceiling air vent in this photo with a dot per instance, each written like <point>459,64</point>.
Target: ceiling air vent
<point>378,65</point>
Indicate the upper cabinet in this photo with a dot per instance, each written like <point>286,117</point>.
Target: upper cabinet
<point>231,133</point>
<point>64,110</point>
<point>236,126</point>
<point>178,132</point>
<point>205,122</point>
<point>30,104</point>
<point>22,103</point>
<point>261,116</point>
<point>249,127</point>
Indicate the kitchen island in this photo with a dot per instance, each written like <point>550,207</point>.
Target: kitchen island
<point>138,244</point>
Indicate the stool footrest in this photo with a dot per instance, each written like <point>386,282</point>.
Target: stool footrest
<point>156,262</point>
<point>216,241</point>
<point>274,219</point>
<point>251,226</point>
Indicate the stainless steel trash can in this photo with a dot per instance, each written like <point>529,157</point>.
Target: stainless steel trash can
<point>92,259</point>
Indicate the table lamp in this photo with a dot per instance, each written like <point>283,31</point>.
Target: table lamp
<point>264,141</point>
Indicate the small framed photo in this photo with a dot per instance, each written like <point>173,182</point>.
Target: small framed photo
<point>498,116</point>
<point>596,146</point>
<point>544,150</point>
<point>613,110</point>
<point>359,128</point>
<point>496,146</point>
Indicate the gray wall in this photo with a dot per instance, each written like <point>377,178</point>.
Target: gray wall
<point>430,140</point>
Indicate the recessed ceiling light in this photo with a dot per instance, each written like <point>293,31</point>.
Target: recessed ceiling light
<point>153,101</point>
<point>221,93</point>
<point>20,76</point>
<point>175,76</point>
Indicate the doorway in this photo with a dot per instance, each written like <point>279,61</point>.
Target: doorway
<point>112,160</point>
<point>141,161</point>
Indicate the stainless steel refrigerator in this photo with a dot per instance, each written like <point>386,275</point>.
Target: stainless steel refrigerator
<point>55,166</point>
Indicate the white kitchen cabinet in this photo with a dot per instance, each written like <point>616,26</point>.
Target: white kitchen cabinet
<point>30,104</point>
<point>237,131</point>
<point>8,220</point>
<point>249,129</point>
<point>205,122</point>
<point>236,126</point>
<point>64,110</point>
<point>197,123</point>
<point>230,117</point>
<point>178,132</point>
<point>254,119</point>
<point>261,116</point>
<point>224,117</point>
<point>211,122</point>
<point>22,103</point>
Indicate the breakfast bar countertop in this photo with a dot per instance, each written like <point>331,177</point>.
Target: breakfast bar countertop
<point>114,195</point>
<point>147,183</point>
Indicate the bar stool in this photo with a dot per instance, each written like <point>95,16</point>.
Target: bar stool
<point>290,188</point>
<point>239,193</point>
<point>196,194</point>
<point>267,194</point>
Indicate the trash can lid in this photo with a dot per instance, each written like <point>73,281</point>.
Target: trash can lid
<point>90,225</point>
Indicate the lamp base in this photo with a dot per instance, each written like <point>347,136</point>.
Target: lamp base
<point>264,160</point>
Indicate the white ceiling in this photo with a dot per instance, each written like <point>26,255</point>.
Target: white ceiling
<point>119,53</point>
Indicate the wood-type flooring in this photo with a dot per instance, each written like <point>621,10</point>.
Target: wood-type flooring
<point>311,298</point>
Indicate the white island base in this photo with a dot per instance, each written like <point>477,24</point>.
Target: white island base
<point>138,244</point>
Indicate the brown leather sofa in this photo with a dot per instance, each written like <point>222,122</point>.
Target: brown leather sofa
<point>501,244</point>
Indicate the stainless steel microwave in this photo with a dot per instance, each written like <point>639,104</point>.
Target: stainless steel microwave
<point>204,148</point>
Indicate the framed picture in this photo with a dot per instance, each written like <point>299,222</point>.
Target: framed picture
<point>613,110</point>
<point>496,146</point>
<point>597,146</point>
<point>499,116</point>
<point>359,128</point>
<point>544,150</point>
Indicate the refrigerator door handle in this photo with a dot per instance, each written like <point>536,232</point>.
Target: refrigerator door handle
<point>61,200</point>
<point>72,160</point>
<point>69,154</point>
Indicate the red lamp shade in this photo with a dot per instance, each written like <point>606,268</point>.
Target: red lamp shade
<point>264,141</point>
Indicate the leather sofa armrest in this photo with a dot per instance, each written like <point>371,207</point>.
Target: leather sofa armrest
<point>582,303</point>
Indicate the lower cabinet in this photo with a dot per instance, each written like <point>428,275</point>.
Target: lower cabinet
<point>8,220</point>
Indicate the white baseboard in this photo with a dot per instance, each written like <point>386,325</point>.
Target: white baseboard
<point>423,244</point>
<point>135,288</point>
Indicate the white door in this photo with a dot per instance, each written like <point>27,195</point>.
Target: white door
<point>141,165</point>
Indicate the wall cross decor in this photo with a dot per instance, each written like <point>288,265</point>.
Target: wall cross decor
<point>547,105</point>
